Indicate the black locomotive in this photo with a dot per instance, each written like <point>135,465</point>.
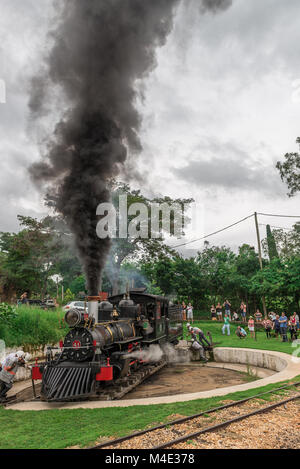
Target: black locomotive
<point>104,344</point>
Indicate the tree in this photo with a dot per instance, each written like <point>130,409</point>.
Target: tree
<point>287,242</point>
<point>131,249</point>
<point>279,281</point>
<point>290,171</point>
<point>272,249</point>
<point>28,257</point>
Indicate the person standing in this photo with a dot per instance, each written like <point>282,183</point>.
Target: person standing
<point>227,307</point>
<point>244,315</point>
<point>258,316</point>
<point>213,313</point>
<point>276,326</point>
<point>219,312</point>
<point>251,327</point>
<point>283,321</point>
<point>226,325</point>
<point>297,321</point>
<point>183,311</point>
<point>24,298</point>
<point>293,328</point>
<point>190,313</point>
<point>267,323</point>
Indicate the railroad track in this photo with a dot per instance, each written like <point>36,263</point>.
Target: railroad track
<point>111,392</point>
<point>190,436</point>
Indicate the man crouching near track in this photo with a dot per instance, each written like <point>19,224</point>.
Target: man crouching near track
<point>9,369</point>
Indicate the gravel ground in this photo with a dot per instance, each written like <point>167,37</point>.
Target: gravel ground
<point>278,429</point>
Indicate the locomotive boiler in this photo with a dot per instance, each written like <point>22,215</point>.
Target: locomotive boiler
<point>105,344</point>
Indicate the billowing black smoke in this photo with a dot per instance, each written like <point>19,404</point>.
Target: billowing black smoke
<point>100,49</point>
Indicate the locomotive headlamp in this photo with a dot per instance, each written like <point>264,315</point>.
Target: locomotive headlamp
<point>73,317</point>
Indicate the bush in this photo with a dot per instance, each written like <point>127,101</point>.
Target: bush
<point>7,313</point>
<point>32,328</point>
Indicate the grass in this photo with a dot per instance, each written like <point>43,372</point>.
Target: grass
<point>33,328</point>
<point>57,429</point>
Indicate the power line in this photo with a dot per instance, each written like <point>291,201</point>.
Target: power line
<point>237,223</point>
<point>280,216</point>
<point>212,234</point>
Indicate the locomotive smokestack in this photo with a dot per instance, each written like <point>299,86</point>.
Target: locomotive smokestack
<point>93,307</point>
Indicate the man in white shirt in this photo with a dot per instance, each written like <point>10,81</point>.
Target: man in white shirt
<point>190,315</point>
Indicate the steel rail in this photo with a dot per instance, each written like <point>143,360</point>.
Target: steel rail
<point>191,417</point>
<point>226,423</point>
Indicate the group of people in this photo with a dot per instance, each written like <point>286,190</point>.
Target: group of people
<point>281,325</point>
<point>8,370</point>
<point>217,311</point>
<point>187,312</point>
<point>240,315</point>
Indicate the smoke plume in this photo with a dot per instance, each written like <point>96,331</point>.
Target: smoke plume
<point>154,353</point>
<point>100,49</point>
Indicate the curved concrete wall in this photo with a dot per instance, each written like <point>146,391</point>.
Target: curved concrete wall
<point>275,361</point>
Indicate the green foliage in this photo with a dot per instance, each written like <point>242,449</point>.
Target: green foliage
<point>126,249</point>
<point>69,296</point>
<point>272,249</point>
<point>7,313</point>
<point>32,327</point>
<point>287,242</point>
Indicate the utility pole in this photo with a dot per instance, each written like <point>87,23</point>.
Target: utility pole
<point>260,260</point>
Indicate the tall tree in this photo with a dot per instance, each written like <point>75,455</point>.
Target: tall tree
<point>28,257</point>
<point>143,248</point>
<point>272,249</point>
<point>290,171</point>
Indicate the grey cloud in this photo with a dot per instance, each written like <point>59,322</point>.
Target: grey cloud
<point>255,37</point>
<point>224,166</point>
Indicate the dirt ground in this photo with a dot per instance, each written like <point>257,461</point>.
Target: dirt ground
<point>180,379</point>
<point>184,379</point>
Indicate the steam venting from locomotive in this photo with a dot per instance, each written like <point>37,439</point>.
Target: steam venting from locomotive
<point>100,50</point>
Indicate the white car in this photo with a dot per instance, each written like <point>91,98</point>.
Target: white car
<point>80,305</point>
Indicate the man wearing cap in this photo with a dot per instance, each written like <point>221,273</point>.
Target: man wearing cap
<point>9,369</point>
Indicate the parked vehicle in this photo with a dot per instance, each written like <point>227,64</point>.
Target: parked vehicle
<point>80,305</point>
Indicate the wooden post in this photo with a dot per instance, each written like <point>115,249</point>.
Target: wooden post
<point>260,259</point>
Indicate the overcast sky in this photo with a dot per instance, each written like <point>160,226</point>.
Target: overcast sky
<point>222,106</point>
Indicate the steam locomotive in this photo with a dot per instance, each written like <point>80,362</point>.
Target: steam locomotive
<point>104,344</point>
